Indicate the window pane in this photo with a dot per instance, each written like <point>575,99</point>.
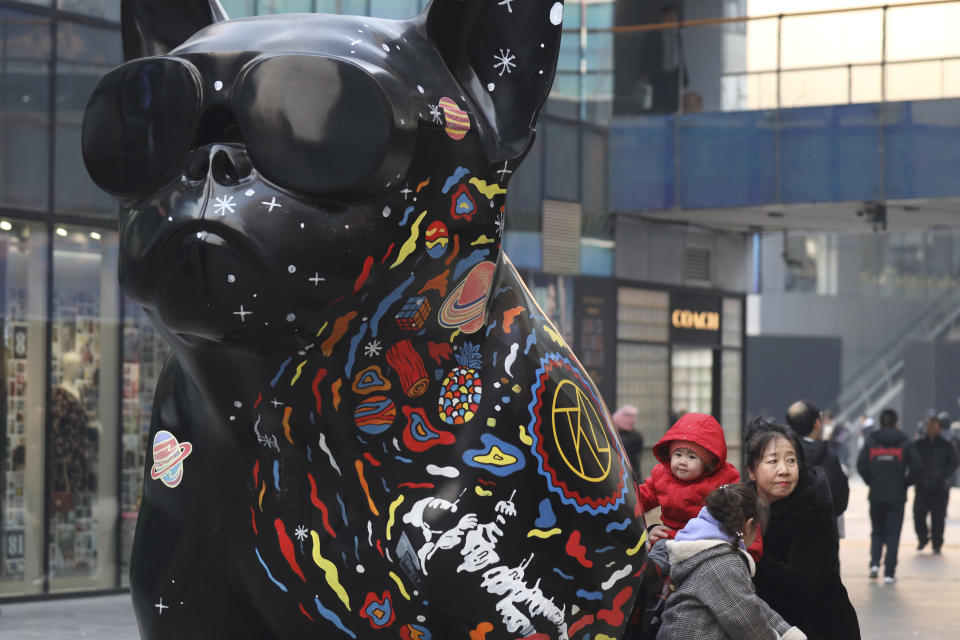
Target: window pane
<point>106,9</point>
<point>23,277</point>
<point>283,6</point>
<point>731,399</point>
<point>732,322</point>
<point>85,54</point>
<point>144,352</point>
<point>82,440</point>
<point>238,8</point>
<point>642,315</point>
<point>24,116</point>
<point>642,374</point>
<point>394,9</point>
<point>692,376</point>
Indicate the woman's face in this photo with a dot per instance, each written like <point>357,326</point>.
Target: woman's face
<point>777,471</point>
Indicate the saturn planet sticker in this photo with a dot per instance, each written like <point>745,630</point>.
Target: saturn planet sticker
<point>168,457</point>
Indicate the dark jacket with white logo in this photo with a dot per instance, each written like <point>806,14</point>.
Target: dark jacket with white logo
<point>883,465</point>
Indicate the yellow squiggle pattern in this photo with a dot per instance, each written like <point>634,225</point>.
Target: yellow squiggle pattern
<point>483,239</point>
<point>540,533</point>
<point>633,550</point>
<point>524,438</point>
<point>480,491</point>
<point>553,334</point>
<point>329,571</point>
<point>454,335</point>
<point>263,490</point>
<point>297,375</point>
<point>488,190</point>
<point>407,248</point>
<point>322,328</point>
<point>393,509</point>
<point>403,589</point>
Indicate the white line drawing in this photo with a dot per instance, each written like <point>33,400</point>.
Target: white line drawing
<point>435,114</point>
<point>372,349</point>
<point>243,314</point>
<point>273,203</point>
<point>507,4</point>
<point>406,191</point>
<point>301,533</point>
<point>224,204</point>
<point>160,607</point>
<point>504,172</point>
<point>504,62</point>
<point>316,279</point>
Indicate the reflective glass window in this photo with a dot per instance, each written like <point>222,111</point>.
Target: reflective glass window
<point>23,286</point>
<point>238,8</point>
<point>82,412</point>
<point>24,115</point>
<point>284,6</point>
<point>84,54</point>
<point>144,353</point>
<point>394,9</point>
<point>106,9</point>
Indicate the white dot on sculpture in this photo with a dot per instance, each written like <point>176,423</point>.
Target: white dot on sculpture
<point>419,88</point>
<point>491,87</point>
<point>292,269</point>
<point>231,278</point>
<point>360,568</point>
<point>218,85</point>
<point>385,47</point>
<point>291,317</point>
<point>556,13</point>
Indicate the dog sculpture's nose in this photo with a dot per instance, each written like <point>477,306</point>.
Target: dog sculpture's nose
<point>227,164</point>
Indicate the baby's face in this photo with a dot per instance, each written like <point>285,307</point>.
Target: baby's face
<point>685,464</point>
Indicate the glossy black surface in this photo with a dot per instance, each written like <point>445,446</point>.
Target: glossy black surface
<point>367,428</point>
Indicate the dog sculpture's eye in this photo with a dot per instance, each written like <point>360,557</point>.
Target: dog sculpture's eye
<point>130,142</point>
<point>322,126</point>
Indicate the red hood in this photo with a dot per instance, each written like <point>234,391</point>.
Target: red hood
<point>698,428</point>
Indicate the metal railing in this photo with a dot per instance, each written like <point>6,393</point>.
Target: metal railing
<point>594,73</point>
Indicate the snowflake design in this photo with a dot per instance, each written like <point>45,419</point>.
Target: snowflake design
<point>499,223</point>
<point>372,349</point>
<point>224,204</point>
<point>435,113</point>
<point>508,4</point>
<point>504,62</point>
<point>301,533</point>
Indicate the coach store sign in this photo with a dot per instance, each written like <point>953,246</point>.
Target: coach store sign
<point>694,318</point>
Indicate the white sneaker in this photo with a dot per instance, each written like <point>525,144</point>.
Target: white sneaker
<point>889,580</point>
<point>874,571</point>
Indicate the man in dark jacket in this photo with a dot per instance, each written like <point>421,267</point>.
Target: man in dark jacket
<point>932,461</point>
<point>883,466</point>
<point>804,418</point>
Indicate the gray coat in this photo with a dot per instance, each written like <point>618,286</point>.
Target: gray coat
<point>715,598</point>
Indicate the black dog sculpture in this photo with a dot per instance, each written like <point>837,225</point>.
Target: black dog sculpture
<point>367,425</point>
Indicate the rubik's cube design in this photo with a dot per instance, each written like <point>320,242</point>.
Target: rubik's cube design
<point>414,314</point>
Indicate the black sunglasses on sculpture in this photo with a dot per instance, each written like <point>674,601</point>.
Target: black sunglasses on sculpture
<point>309,144</point>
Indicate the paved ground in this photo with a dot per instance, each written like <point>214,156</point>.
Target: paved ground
<point>921,604</point>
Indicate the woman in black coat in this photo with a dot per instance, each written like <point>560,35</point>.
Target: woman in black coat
<point>799,573</point>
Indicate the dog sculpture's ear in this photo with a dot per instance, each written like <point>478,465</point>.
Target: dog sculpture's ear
<point>505,55</point>
<point>154,27</point>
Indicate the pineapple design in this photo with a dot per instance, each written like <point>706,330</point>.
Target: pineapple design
<point>460,395</point>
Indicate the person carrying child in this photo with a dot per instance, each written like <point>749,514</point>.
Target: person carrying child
<point>709,565</point>
<point>693,462</point>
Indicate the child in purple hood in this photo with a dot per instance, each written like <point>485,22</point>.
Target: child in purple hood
<point>709,565</point>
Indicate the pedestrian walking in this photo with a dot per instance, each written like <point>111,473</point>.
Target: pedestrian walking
<point>625,419</point>
<point>883,466</point>
<point>932,461</point>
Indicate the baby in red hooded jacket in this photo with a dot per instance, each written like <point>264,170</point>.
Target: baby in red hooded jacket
<point>693,462</point>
